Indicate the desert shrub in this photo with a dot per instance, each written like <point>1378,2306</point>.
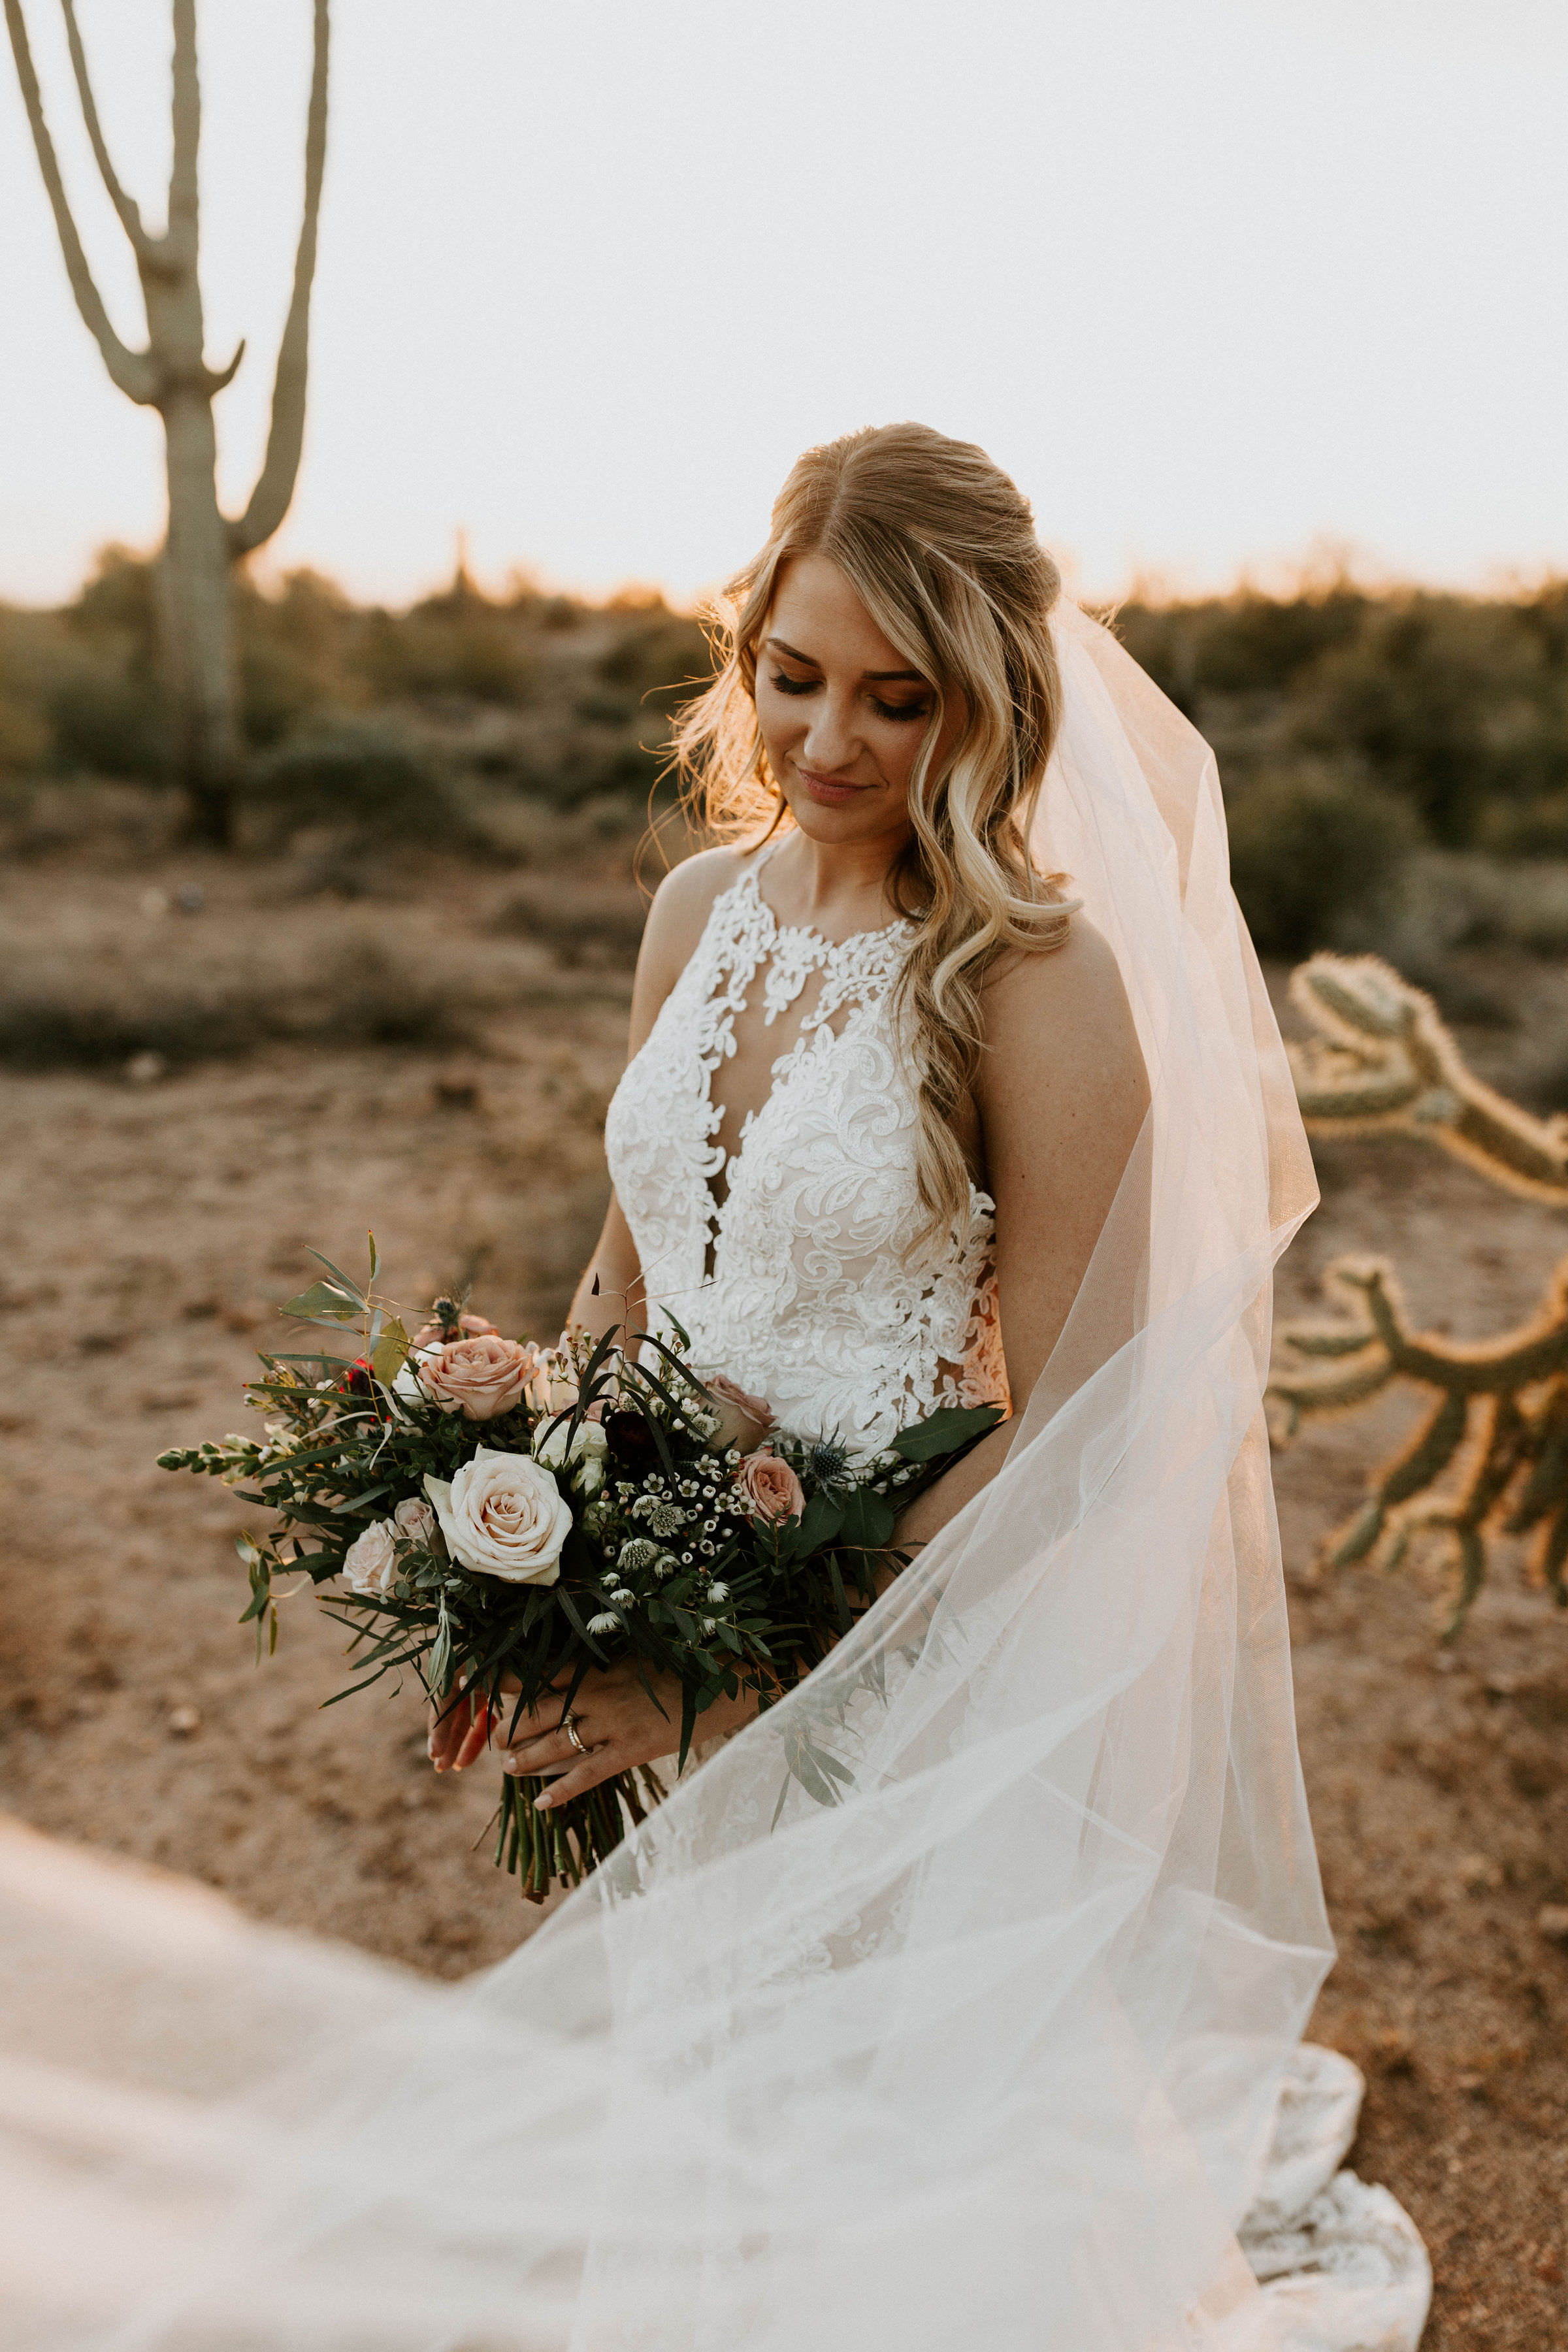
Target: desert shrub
<point>106,715</point>
<point>1459,705</point>
<point>1308,844</point>
<point>657,659</point>
<point>57,1011</point>
<point>1245,643</point>
<point>292,648</point>
<point>1453,703</point>
<point>606,925</point>
<point>459,643</point>
<point>359,776</point>
<point>1530,828</point>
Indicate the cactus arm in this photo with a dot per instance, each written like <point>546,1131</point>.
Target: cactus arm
<point>1384,1059</point>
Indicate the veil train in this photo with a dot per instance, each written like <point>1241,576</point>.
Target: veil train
<point>1002,2047</point>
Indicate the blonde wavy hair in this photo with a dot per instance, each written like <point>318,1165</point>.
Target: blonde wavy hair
<point>940,546</point>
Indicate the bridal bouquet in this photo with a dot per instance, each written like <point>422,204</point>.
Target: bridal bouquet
<point>499,1518</point>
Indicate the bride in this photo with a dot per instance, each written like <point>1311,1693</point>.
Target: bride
<point>952,1078</point>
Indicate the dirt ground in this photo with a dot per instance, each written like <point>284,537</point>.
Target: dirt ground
<point>150,1229</point>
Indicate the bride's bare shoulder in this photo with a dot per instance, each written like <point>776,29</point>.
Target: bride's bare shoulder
<point>1065,1009</point>
<point>682,906</point>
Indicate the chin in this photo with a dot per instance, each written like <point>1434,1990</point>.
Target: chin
<point>851,821</point>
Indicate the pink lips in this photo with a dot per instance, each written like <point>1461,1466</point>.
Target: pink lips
<point>829,789</point>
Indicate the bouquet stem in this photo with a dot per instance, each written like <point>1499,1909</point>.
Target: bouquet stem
<point>564,1843</point>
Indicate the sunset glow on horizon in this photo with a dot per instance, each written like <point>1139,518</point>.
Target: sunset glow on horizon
<point>1221,284</point>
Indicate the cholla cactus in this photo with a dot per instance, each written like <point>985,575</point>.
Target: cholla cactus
<point>1497,1434</point>
<point>1382,1060</point>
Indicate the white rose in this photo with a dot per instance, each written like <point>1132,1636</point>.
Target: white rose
<point>415,1522</point>
<point>407,1383</point>
<point>502,1515</point>
<point>587,1450</point>
<point>370,1563</point>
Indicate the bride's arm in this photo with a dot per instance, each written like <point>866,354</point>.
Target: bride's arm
<point>626,1727</point>
<point>1061,1097</point>
<point>675,920</point>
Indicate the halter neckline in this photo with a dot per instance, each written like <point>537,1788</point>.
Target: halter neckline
<point>809,930</point>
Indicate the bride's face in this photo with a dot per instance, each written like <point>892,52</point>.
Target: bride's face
<point>842,713</point>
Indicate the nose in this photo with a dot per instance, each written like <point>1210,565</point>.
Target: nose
<point>831,742</point>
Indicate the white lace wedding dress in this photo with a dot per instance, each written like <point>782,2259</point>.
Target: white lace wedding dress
<point>802,1279</point>
<point>994,2040</point>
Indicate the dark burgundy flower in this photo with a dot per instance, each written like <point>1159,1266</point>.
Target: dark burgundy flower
<point>357,1381</point>
<point>629,1439</point>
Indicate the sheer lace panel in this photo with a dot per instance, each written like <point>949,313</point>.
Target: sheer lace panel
<point>793,1261</point>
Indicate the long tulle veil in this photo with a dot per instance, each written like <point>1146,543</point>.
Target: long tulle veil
<point>988,2051</point>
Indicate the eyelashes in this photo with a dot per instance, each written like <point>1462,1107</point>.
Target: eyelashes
<point>906,712</point>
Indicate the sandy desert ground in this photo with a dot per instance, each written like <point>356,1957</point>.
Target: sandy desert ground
<point>150,1229</point>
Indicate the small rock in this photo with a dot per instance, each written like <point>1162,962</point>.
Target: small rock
<point>184,1720</point>
<point>190,898</point>
<point>145,1070</point>
<point>1552,1920</point>
<point>154,904</point>
<point>1479,1870</point>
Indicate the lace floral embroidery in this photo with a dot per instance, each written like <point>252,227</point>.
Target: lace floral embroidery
<point>820,1293</point>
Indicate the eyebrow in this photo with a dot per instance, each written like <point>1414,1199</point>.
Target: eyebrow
<point>879,676</point>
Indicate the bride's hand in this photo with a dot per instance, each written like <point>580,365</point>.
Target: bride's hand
<point>619,1725</point>
<point>460,1732</point>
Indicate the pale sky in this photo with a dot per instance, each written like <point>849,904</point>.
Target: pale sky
<point>1217,280</point>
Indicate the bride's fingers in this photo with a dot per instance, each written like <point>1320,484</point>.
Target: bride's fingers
<point>475,1738</point>
<point>546,1750</point>
<point>585,1772</point>
<point>449,1725</point>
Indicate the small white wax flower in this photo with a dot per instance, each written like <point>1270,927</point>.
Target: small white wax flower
<point>607,1621</point>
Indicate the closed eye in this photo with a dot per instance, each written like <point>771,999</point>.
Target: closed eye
<point>896,712</point>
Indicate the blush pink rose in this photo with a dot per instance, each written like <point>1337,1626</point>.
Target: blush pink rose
<point>768,1488</point>
<point>743,1417</point>
<point>480,1377</point>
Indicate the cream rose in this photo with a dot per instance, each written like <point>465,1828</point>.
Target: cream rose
<point>482,1377</point>
<point>586,1451</point>
<point>502,1515</point>
<point>768,1488</point>
<point>743,1417</point>
<point>370,1563</point>
<point>413,1522</point>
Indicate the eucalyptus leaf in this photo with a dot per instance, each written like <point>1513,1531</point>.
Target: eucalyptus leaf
<point>323,1301</point>
<point>389,1352</point>
<point>945,1431</point>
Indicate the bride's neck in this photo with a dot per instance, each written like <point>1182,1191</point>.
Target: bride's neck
<point>837,887</point>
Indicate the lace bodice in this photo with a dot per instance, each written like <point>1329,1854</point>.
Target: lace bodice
<point>807,1282</point>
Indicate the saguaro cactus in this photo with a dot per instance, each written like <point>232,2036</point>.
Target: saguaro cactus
<point>1492,1454</point>
<point>171,374</point>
